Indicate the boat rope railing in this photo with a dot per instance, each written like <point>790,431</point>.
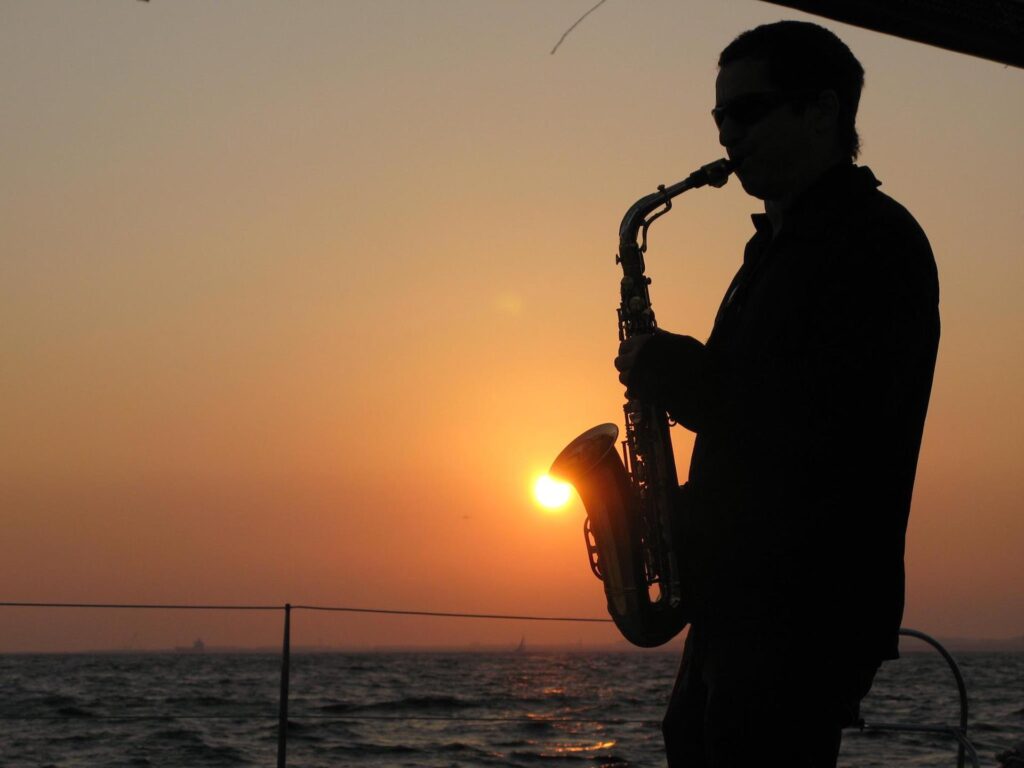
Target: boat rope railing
<point>965,748</point>
<point>299,607</point>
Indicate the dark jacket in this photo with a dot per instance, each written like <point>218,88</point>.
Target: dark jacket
<point>809,402</point>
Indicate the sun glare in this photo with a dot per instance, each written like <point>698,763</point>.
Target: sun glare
<point>551,493</point>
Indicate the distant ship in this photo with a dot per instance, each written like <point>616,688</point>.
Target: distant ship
<point>197,647</point>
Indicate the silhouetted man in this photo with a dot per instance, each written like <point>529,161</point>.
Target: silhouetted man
<point>809,402</point>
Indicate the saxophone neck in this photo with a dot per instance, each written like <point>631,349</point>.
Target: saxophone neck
<point>715,174</point>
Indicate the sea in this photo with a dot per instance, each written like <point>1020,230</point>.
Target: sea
<point>437,709</point>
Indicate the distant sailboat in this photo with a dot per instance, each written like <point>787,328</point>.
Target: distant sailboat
<point>521,648</point>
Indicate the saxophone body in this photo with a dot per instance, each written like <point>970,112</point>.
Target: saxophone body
<point>630,500</point>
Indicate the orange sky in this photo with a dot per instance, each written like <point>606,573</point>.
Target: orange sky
<point>296,300</point>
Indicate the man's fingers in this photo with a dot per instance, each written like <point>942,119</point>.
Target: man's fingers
<point>632,345</point>
<point>628,351</point>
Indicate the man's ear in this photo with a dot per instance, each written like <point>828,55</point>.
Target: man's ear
<point>825,111</point>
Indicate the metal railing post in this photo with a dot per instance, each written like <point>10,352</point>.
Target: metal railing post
<point>961,688</point>
<point>282,708</point>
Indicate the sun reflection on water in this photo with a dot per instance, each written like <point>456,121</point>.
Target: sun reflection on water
<point>569,748</point>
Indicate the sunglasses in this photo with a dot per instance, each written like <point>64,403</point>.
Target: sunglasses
<point>753,107</point>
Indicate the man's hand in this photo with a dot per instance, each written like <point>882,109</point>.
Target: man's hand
<point>672,371</point>
<point>629,350</point>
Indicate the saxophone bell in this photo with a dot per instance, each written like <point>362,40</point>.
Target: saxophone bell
<point>614,536</point>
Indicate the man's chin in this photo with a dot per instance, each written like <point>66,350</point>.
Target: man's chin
<point>752,185</point>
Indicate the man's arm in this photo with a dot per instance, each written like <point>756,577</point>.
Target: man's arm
<point>877,305</point>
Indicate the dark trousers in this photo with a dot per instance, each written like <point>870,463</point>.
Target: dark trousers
<point>744,699</point>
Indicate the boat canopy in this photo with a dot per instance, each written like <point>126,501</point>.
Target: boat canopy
<point>991,29</point>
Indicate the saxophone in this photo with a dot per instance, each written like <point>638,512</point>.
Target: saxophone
<point>630,501</point>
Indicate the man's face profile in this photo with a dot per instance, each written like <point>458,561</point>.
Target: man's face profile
<point>761,130</point>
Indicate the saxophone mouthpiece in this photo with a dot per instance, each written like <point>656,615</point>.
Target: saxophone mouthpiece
<point>717,173</point>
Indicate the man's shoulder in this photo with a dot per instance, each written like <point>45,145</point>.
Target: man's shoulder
<point>879,215</point>
<point>850,209</point>
<point>891,247</point>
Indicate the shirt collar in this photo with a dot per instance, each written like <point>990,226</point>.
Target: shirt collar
<point>823,202</point>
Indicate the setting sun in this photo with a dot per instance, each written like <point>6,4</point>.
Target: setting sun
<point>551,493</point>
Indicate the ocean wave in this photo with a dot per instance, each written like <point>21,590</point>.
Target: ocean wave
<point>178,732</point>
<point>72,711</point>
<point>535,725</point>
<point>547,755</point>
<point>368,750</point>
<point>405,704</point>
<point>57,700</point>
<point>204,700</point>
